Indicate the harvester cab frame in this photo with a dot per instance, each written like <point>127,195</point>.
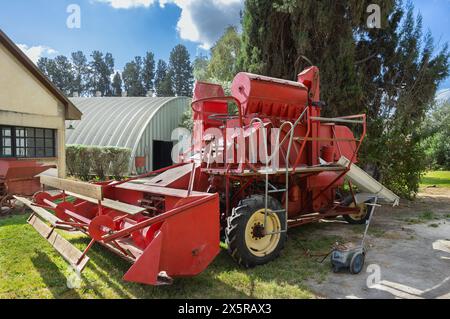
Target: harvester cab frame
<point>169,223</point>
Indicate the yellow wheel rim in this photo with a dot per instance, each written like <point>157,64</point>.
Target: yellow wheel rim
<point>257,243</point>
<point>362,211</point>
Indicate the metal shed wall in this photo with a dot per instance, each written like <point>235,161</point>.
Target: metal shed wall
<point>160,128</point>
<point>131,122</point>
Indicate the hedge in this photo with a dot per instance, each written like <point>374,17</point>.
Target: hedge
<point>87,161</point>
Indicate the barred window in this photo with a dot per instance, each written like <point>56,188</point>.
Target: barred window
<point>27,142</point>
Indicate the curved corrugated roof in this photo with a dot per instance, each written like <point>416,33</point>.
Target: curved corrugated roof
<point>114,121</point>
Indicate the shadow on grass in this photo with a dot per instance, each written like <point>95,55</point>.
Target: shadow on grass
<point>281,278</point>
<point>53,278</point>
<point>105,270</point>
<point>12,219</point>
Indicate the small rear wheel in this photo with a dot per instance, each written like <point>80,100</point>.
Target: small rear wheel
<point>357,263</point>
<point>249,242</point>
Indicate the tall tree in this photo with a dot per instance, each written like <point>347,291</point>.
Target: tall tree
<point>200,68</point>
<point>389,73</point>
<point>59,71</point>
<point>117,85</point>
<point>224,53</point>
<point>44,65</point>
<point>80,72</point>
<point>132,78</point>
<point>101,69</point>
<point>148,72</point>
<point>181,71</point>
<point>163,80</point>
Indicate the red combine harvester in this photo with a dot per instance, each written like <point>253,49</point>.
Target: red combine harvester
<point>169,223</point>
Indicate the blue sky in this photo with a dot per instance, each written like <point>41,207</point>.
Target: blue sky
<point>127,28</point>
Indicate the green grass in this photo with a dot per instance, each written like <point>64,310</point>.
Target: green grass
<point>436,178</point>
<point>31,268</point>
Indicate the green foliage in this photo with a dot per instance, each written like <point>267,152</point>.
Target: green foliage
<point>132,79</point>
<point>200,67</point>
<point>79,161</point>
<point>187,120</point>
<point>148,72</point>
<point>100,161</point>
<point>71,158</point>
<point>120,161</point>
<point>101,68</point>
<point>223,63</point>
<point>117,85</point>
<point>390,73</point>
<point>58,70</point>
<point>79,75</point>
<point>80,71</point>
<point>86,161</point>
<point>181,71</point>
<point>436,128</point>
<point>437,179</point>
<point>163,80</point>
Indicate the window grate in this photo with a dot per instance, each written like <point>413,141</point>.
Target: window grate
<point>27,142</point>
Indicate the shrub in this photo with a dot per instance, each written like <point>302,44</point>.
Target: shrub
<point>100,161</point>
<point>79,161</point>
<point>71,156</point>
<point>120,161</point>
<point>85,161</point>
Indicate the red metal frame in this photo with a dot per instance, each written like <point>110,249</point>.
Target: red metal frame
<point>175,230</point>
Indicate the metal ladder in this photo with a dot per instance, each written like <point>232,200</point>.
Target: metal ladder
<point>273,189</point>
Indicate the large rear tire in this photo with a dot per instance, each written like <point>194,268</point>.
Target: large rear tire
<point>245,234</point>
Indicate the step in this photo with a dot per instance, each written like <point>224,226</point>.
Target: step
<point>277,191</point>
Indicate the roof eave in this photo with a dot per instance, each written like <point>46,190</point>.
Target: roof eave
<point>72,113</point>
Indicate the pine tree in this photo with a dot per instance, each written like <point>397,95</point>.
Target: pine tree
<point>181,71</point>
<point>117,85</point>
<point>59,71</point>
<point>148,72</point>
<point>101,68</point>
<point>44,65</point>
<point>80,72</point>
<point>132,78</point>
<point>163,80</point>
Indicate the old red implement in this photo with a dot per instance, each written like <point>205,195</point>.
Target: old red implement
<point>18,178</point>
<point>249,175</point>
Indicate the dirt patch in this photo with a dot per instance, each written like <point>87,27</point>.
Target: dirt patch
<point>408,256</point>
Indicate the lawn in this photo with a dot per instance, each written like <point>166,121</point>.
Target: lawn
<point>30,268</point>
<point>436,178</point>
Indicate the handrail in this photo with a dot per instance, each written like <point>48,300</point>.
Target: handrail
<point>221,98</point>
<point>302,148</point>
<point>289,134</point>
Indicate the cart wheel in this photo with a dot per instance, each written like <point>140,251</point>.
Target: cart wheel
<point>357,263</point>
<point>364,212</point>
<point>245,233</point>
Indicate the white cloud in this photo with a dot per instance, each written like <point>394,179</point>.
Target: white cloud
<point>127,4</point>
<point>201,21</point>
<point>36,52</point>
<point>443,96</point>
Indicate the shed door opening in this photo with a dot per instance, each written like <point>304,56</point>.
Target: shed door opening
<point>162,154</point>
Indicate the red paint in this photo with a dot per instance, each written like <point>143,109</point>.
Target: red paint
<point>178,234</point>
